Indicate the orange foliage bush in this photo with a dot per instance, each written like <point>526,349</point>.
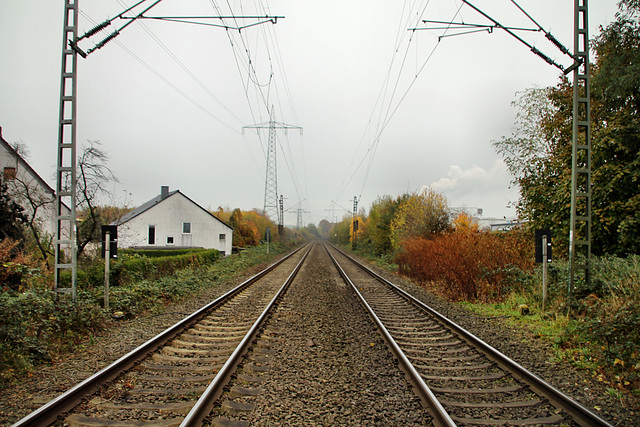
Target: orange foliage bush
<point>467,265</point>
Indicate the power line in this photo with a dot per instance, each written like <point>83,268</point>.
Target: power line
<point>165,80</point>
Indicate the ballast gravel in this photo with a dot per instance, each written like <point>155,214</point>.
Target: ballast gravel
<point>328,365</point>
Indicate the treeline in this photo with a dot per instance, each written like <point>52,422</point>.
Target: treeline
<point>450,254</point>
<point>250,228</point>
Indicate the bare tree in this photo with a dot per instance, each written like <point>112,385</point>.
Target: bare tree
<point>39,206</point>
<point>94,177</point>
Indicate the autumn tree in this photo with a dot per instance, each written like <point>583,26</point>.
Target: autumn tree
<point>421,214</point>
<point>360,223</point>
<point>245,233</point>
<point>464,223</point>
<point>262,222</point>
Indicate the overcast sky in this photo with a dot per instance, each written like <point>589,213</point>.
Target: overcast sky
<point>385,110</point>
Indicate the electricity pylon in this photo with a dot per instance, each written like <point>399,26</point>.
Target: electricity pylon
<point>271,179</point>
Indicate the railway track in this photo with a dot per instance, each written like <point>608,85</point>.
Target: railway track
<point>188,374</point>
<point>461,379</point>
<point>174,378</point>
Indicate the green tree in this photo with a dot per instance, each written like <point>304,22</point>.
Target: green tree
<point>313,230</point>
<point>340,232</point>
<point>421,214</point>
<point>616,153</point>
<point>324,227</point>
<point>538,156</point>
<point>381,215</point>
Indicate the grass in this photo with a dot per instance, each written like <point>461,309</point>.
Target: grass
<point>548,326</point>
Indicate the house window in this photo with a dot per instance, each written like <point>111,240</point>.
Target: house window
<point>186,228</point>
<point>9,174</point>
<point>152,234</point>
<point>223,237</point>
<point>169,240</point>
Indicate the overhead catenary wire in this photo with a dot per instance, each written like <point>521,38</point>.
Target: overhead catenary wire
<point>390,107</point>
<point>186,69</point>
<point>263,91</point>
<point>165,80</point>
<point>380,100</point>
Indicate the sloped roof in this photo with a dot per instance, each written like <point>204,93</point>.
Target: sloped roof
<point>26,165</point>
<point>156,200</point>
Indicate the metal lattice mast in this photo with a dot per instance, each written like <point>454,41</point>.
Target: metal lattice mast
<point>66,162</point>
<point>580,231</point>
<point>271,179</point>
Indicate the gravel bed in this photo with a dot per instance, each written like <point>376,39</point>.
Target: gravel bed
<point>329,365</point>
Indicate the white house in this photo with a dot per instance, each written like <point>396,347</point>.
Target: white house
<point>172,220</point>
<point>29,189</point>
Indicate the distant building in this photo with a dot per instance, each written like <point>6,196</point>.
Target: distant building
<point>499,224</point>
<point>28,189</point>
<point>485,223</point>
<point>172,220</point>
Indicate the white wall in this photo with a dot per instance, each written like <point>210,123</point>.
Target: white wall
<point>168,217</point>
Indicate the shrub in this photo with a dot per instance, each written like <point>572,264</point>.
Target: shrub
<point>468,265</point>
<point>156,253</point>
<point>609,318</point>
<point>131,267</point>
<point>35,324</point>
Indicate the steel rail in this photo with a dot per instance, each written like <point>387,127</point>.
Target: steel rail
<point>49,412</point>
<point>204,405</point>
<point>578,412</point>
<point>440,416</point>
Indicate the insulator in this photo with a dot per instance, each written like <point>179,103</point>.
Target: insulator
<point>104,42</point>
<point>557,43</point>
<point>108,39</point>
<point>97,28</point>
<point>546,58</point>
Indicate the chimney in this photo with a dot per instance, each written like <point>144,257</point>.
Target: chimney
<point>164,191</point>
